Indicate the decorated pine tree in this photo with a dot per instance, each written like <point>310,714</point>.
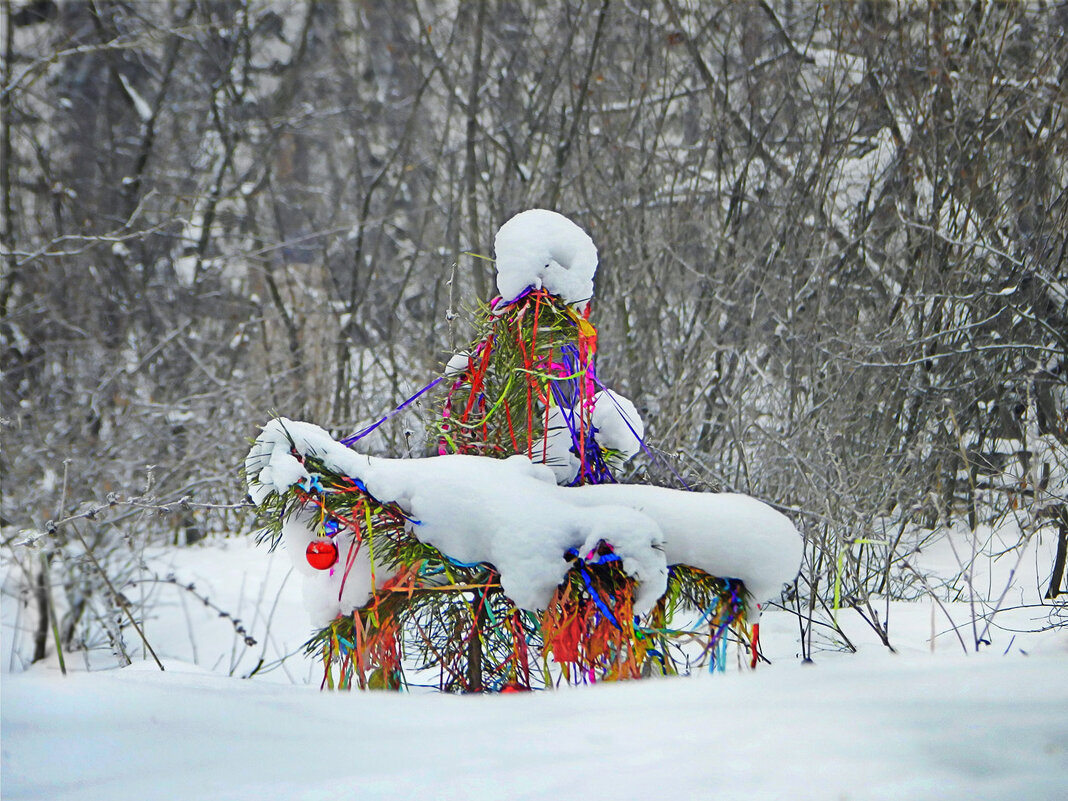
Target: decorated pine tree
<point>514,559</point>
<point>528,385</point>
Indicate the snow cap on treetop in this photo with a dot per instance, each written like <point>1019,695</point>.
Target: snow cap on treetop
<point>545,250</point>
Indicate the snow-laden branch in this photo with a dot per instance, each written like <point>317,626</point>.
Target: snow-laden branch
<point>511,513</point>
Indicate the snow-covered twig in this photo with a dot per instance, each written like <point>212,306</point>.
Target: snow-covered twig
<point>32,536</point>
<point>191,588</point>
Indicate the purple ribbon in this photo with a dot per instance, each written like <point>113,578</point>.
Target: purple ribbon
<point>641,441</point>
<point>348,441</point>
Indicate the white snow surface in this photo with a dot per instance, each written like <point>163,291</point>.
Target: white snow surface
<point>927,722</point>
<point>871,727</point>
<point>543,249</point>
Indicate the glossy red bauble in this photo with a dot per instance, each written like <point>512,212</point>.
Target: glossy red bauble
<point>322,554</point>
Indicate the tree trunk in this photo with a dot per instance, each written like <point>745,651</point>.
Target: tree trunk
<point>474,645</point>
<point>1057,579</point>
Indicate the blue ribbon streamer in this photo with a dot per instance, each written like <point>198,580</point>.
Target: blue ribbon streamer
<point>588,581</point>
<point>458,563</point>
<point>312,484</point>
<point>597,596</point>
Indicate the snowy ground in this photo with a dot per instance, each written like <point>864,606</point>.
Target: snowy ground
<point>872,725</point>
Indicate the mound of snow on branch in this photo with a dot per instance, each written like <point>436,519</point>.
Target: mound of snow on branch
<point>458,364</point>
<point>545,250</point>
<point>329,593</point>
<point>558,449</point>
<point>510,513</point>
<point>724,534</point>
<point>618,424</point>
<point>475,509</point>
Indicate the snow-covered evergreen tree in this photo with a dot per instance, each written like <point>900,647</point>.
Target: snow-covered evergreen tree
<point>516,542</point>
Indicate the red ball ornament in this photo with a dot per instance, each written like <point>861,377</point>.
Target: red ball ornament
<point>322,554</point>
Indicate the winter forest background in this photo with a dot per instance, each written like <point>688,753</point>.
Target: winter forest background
<point>833,270</point>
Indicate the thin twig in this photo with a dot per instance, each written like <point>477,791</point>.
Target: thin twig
<point>934,598</point>
<point>114,500</point>
<point>119,598</point>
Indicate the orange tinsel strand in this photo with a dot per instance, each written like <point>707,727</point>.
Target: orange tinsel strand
<point>565,640</point>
